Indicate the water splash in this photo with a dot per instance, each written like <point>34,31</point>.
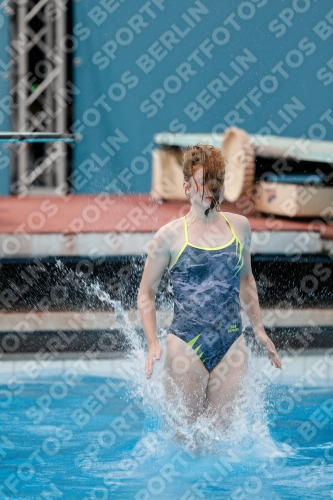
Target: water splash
<point>166,423</point>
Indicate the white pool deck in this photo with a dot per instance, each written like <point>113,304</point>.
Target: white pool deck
<point>83,244</point>
<point>300,368</point>
<point>99,320</point>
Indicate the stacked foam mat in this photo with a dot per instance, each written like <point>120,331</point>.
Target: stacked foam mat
<point>281,175</point>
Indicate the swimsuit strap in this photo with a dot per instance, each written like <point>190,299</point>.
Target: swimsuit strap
<point>239,249</point>
<point>231,228</point>
<point>186,231</point>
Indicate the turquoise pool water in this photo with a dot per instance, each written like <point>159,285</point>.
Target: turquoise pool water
<point>90,439</point>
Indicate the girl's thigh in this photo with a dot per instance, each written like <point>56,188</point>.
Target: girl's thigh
<point>226,381</point>
<point>185,378</point>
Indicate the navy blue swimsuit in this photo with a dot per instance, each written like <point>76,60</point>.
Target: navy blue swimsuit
<point>206,284</point>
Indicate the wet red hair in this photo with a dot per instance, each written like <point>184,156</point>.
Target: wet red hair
<point>213,163</point>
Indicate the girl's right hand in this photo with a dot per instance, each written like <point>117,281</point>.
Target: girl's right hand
<point>154,352</point>
<point>271,350</point>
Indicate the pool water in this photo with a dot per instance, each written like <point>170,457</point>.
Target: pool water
<point>92,440</point>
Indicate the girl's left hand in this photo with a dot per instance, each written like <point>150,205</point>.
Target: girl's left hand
<point>270,347</point>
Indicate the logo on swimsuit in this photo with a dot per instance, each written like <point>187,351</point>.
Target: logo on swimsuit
<point>233,328</point>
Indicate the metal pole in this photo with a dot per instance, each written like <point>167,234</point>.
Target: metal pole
<point>61,113</point>
<point>50,40</point>
<point>22,90</point>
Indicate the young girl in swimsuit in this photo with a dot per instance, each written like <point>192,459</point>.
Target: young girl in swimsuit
<point>207,253</point>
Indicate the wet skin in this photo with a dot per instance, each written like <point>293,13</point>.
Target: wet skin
<point>184,372</point>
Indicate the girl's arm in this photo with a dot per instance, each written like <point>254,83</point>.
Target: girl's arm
<point>158,259</point>
<point>250,302</point>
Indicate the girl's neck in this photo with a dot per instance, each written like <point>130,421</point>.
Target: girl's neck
<point>198,216</point>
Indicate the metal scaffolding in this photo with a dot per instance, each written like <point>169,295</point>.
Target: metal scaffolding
<point>40,100</point>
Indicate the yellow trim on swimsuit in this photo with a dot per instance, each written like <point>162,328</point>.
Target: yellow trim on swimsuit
<point>212,248</point>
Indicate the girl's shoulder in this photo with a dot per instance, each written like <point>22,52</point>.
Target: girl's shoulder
<point>171,230</point>
<point>175,223</point>
<point>241,219</point>
<point>240,223</point>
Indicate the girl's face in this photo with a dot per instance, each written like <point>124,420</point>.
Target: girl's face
<point>196,193</point>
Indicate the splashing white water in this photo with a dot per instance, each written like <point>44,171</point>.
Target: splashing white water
<point>165,422</point>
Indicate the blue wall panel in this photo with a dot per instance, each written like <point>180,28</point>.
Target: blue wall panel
<point>4,93</point>
<point>193,66</point>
